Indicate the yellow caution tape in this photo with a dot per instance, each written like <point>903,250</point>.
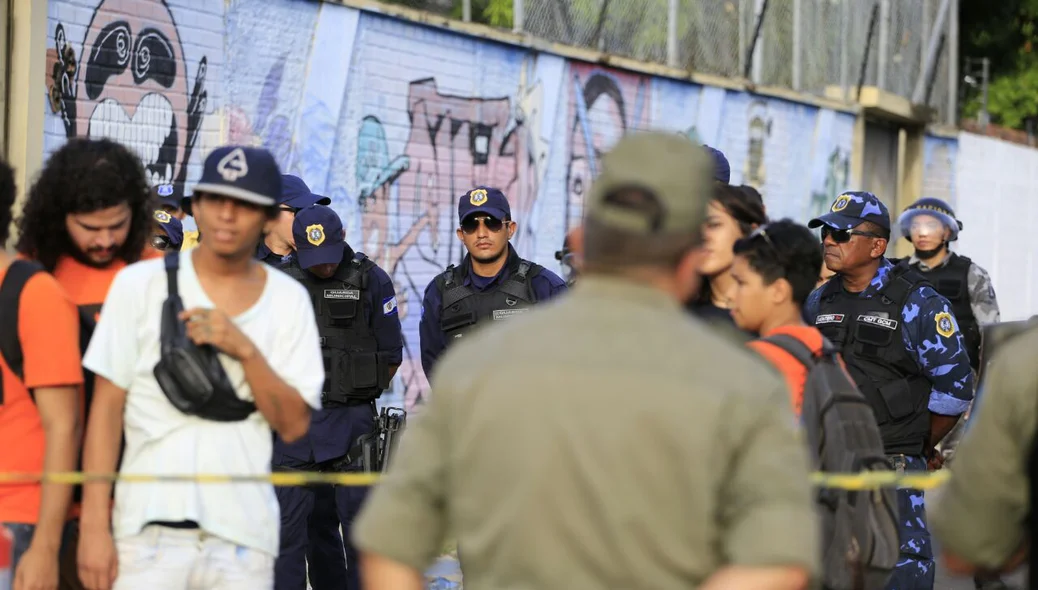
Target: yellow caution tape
<point>846,481</point>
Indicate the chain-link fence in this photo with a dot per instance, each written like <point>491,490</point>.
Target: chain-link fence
<point>814,46</point>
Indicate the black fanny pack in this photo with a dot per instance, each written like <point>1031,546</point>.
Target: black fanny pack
<point>191,376</point>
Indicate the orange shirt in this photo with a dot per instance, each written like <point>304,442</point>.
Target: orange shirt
<point>794,372</point>
<point>48,328</point>
<point>88,285</point>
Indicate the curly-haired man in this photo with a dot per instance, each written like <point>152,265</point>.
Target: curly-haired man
<point>88,215</point>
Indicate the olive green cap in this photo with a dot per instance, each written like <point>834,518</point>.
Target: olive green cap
<point>669,167</point>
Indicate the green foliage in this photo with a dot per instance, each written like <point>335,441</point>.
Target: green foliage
<point>496,13</point>
<point>1006,32</point>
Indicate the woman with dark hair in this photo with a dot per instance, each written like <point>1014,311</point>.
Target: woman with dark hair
<point>734,212</point>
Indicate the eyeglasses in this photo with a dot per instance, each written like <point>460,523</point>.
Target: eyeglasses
<point>160,242</point>
<point>292,210</point>
<point>469,225</point>
<point>842,236</point>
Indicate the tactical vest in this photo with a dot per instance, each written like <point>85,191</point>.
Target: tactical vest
<point>952,280</point>
<point>464,308</point>
<point>355,371</point>
<point>868,332</point>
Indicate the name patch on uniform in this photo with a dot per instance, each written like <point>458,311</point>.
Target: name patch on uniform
<point>829,318</point>
<point>351,294</point>
<point>878,321</point>
<point>389,305</point>
<point>504,314</point>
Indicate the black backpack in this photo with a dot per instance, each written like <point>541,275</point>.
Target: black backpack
<point>18,274</point>
<point>859,527</point>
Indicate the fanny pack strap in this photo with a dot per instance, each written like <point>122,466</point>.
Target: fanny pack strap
<point>172,266</point>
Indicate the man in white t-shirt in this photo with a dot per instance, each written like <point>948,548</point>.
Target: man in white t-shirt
<point>174,536</point>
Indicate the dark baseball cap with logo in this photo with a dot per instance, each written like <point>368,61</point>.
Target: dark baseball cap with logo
<point>317,230</point>
<point>677,173</point>
<point>295,193</point>
<point>853,208</point>
<point>484,199</point>
<point>166,195</point>
<point>172,226</point>
<point>248,174</point>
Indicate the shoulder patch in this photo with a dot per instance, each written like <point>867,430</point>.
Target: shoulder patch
<point>389,306</point>
<point>945,324</point>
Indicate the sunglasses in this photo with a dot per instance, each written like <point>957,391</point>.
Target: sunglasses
<point>842,236</point>
<point>469,225</point>
<point>160,242</point>
<point>762,232</point>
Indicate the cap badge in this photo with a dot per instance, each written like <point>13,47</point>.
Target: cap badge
<point>161,216</point>
<point>841,203</point>
<point>315,234</point>
<point>477,197</point>
<point>233,166</point>
<point>164,190</point>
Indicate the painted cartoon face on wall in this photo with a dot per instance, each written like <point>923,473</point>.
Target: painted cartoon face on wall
<point>603,105</point>
<point>130,84</point>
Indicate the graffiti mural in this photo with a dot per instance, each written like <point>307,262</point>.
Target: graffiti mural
<point>123,74</point>
<point>394,120</point>
<point>603,105</point>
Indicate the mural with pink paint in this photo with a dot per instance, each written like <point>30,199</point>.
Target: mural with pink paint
<point>123,75</point>
<point>603,105</point>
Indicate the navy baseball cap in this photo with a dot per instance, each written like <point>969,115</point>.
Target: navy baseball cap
<point>239,172</point>
<point>172,226</point>
<point>722,170</point>
<point>317,230</point>
<point>484,199</point>
<point>851,209</point>
<point>166,195</point>
<point>295,193</point>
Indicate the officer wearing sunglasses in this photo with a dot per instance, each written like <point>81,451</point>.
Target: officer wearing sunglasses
<point>903,347</point>
<point>279,244</point>
<point>492,283</point>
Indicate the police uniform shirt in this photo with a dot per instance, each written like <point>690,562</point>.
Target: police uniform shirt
<point>579,447</point>
<point>545,285</point>
<point>980,515</point>
<point>930,336</point>
<point>267,256</point>
<point>334,429</point>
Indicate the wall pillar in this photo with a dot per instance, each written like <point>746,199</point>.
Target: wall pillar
<point>26,96</point>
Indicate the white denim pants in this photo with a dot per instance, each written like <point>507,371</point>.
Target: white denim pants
<point>163,558</point>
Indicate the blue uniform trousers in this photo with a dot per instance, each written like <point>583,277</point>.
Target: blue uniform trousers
<point>310,518</point>
<point>325,561</point>
<point>915,568</point>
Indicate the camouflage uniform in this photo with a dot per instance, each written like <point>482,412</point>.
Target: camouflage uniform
<point>930,336</point>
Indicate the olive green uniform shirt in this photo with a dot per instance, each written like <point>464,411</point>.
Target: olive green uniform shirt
<point>980,515</point>
<point>606,439</point>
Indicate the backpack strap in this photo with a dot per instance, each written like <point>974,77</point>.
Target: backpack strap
<point>18,274</point>
<point>797,349</point>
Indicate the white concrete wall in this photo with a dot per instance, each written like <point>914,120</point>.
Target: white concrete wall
<point>997,201</point>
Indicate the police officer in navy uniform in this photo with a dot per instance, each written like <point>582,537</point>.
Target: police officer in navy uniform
<point>277,246</point>
<point>903,347</point>
<point>361,341</point>
<point>324,550</point>
<point>492,283</point>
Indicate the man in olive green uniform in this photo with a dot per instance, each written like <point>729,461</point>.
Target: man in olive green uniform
<point>607,439</point>
<point>980,518</point>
